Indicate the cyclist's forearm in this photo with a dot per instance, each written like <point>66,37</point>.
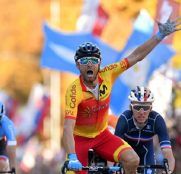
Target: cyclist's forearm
<point>68,138</point>
<point>11,150</point>
<point>69,143</point>
<point>143,50</point>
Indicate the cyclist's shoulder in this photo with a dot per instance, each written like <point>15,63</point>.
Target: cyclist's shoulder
<point>127,114</point>
<point>154,115</point>
<point>75,85</point>
<point>5,120</point>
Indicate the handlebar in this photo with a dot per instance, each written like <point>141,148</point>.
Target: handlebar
<point>165,166</point>
<point>12,171</point>
<point>93,168</point>
<point>140,168</point>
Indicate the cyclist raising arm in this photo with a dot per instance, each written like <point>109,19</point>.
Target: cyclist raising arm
<point>138,125</point>
<point>87,104</point>
<point>7,142</point>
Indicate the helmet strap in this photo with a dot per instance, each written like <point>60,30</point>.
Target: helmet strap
<point>99,67</point>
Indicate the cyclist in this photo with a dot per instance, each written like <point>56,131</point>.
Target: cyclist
<point>138,126</point>
<point>87,105</point>
<point>7,142</point>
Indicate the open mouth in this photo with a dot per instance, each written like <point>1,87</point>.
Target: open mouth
<point>90,73</point>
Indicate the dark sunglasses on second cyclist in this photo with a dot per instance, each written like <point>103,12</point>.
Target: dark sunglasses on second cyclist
<point>139,107</point>
<point>86,60</point>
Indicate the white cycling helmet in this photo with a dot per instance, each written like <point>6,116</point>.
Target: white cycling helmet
<point>141,94</point>
<point>2,109</point>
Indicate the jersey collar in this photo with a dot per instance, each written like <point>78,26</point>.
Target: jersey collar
<point>137,125</point>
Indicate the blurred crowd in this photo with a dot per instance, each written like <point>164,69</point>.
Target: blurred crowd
<point>41,161</point>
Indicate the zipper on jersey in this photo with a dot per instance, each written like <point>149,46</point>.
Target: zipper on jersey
<point>97,100</point>
<point>139,137</point>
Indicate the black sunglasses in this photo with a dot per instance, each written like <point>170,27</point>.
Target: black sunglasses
<point>139,107</point>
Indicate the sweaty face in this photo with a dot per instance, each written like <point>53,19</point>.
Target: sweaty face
<point>89,68</point>
<point>141,111</point>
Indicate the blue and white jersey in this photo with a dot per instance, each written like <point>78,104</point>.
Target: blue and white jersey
<point>142,139</point>
<point>7,131</point>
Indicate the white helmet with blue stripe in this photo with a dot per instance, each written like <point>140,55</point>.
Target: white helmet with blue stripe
<point>141,94</point>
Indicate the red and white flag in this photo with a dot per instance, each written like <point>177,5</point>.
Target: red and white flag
<point>93,18</point>
<point>100,22</point>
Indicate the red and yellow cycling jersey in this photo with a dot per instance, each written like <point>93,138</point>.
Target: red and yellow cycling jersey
<point>91,114</point>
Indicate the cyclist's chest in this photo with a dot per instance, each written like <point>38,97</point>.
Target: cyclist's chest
<point>94,104</point>
<point>139,136</point>
<point>147,131</point>
<point>91,107</point>
<point>141,133</point>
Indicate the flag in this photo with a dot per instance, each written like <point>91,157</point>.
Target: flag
<point>41,113</point>
<point>59,49</point>
<point>87,18</point>
<point>140,73</point>
<point>33,114</point>
<point>100,22</point>
<point>93,18</point>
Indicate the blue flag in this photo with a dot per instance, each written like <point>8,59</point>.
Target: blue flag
<point>59,49</point>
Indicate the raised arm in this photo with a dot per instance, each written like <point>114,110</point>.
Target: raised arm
<point>165,29</point>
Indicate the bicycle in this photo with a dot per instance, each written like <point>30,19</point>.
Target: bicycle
<point>97,165</point>
<point>12,171</point>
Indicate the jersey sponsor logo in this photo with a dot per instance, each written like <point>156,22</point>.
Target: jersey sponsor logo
<point>88,112</point>
<point>73,97</point>
<point>68,112</point>
<point>109,68</point>
<point>103,90</point>
<point>148,127</point>
<point>100,107</point>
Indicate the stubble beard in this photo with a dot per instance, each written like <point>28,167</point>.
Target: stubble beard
<point>90,81</point>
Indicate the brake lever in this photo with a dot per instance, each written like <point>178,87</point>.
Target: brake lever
<point>166,165</point>
<point>64,168</point>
